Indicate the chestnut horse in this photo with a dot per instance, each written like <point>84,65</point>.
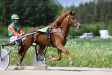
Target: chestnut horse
<point>60,29</point>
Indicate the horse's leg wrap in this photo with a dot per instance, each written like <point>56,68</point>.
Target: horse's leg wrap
<point>21,60</point>
<point>19,63</point>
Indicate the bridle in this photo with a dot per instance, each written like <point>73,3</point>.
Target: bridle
<point>69,20</point>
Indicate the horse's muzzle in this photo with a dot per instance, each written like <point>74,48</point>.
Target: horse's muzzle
<point>80,27</point>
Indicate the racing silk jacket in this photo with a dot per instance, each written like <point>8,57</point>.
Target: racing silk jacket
<point>14,30</point>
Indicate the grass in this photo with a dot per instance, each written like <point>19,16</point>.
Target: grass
<point>84,53</point>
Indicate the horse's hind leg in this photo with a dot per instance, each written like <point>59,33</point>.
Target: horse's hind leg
<point>22,56</point>
<point>23,53</point>
<point>59,56</point>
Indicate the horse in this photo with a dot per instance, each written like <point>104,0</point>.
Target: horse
<point>60,28</point>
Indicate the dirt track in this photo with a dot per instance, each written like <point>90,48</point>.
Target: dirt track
<point>29,70</point>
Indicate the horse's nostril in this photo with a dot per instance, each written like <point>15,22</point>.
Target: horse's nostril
<point>80,27</point>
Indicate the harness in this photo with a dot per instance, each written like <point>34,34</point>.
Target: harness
<point>48,36</point>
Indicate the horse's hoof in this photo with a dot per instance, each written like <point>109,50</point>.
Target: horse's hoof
<point>71,64</point>
<point>51,56</point>
<point>18,64</point>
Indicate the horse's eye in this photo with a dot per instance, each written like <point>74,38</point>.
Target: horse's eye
<point>73,18</point>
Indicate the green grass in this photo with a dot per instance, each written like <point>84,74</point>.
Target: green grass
<point>84,53</point>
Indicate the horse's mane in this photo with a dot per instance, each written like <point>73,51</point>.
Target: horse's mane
<point>58,21</point>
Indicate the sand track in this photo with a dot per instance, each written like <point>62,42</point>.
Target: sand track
<point>29,70</point>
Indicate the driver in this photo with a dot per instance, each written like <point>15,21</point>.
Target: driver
<point>14,29</point>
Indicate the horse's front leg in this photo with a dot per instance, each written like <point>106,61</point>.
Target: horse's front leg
<point>40,51</point>
<point>59,56</point>
<point>61,47</point>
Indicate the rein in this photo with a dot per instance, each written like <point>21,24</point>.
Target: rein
<point>64,26</point>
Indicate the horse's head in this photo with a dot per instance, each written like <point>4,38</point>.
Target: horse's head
<point>72,20</point>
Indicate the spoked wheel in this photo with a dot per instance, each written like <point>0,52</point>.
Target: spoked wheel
<point>39,63</point>
<point>4,59</point>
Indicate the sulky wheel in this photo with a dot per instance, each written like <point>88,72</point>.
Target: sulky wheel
<point>4,59</point>
<point>39,63</point>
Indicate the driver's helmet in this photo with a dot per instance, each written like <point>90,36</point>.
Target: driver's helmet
<point>14,16</point>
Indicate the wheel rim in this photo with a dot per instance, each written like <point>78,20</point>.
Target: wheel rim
<point>5,62</point>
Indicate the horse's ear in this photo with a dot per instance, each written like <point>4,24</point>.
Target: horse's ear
<point>73,13</point>
<point>69,12</point>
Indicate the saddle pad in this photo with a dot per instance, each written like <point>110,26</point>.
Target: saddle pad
<point>43,29</point>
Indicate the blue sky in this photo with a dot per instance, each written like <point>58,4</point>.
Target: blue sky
<point>70,2</point>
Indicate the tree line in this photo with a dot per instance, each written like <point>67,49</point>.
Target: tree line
<point>35,13</point>
<point>32,12</point>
